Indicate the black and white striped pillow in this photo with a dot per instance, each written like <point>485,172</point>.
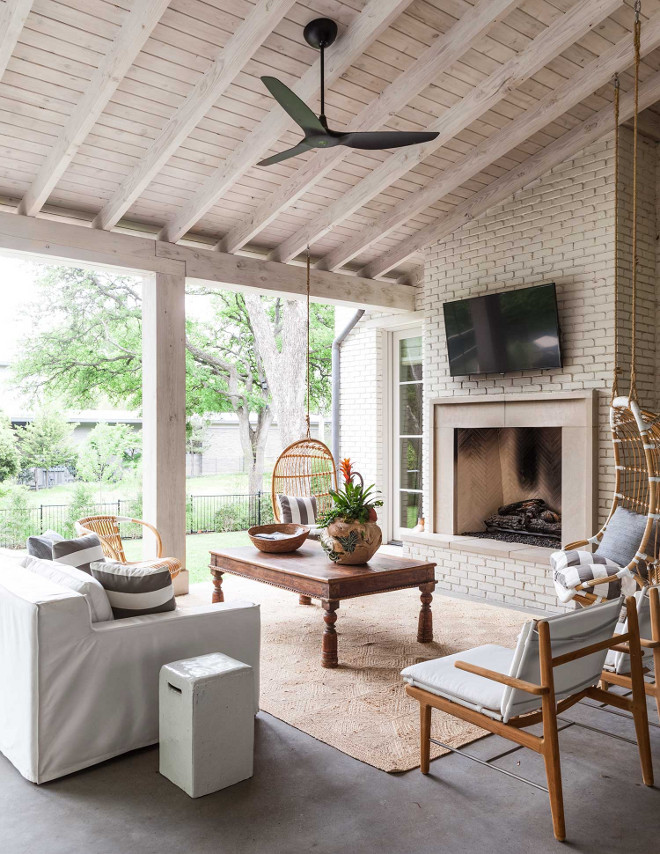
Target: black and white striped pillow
<point>135,590</point>
<point>299,510</point>
<point>81,552</point>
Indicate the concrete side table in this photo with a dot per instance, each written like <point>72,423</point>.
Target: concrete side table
<point>206,718</point>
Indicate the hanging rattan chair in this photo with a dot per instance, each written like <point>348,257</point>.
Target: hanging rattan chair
<point>304,469</point>
<point>635,431</point>
<point>636,443</point>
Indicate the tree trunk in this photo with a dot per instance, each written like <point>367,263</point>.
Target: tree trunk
<point>285,367</point>
<point>253,441</point>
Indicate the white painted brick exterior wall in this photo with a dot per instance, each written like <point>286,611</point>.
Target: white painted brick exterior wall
<point>559,228</point>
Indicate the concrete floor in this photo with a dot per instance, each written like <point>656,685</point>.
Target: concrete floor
<point>308,797</point>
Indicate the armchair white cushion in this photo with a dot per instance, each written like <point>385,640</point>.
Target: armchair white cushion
<point>76,693</point>
<point>568,632</point>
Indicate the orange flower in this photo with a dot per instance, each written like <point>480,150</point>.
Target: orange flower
<point>346,468</point>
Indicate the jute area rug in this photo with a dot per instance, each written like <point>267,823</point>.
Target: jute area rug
<point>361,707</point>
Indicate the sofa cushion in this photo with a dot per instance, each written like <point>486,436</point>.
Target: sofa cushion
<point>41,545</point>
<point>135,590</point>
<point>79,552</point>
<point>622,537</point>
<point>299,510</point>
<point>74,579</point>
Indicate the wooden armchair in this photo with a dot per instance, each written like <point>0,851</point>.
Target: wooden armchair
<point>107,530</point>
<point>557,663</point>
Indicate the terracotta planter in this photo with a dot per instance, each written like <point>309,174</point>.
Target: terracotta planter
<point>351,543</point>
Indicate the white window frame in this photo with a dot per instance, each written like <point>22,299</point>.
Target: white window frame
<point>392,445</point>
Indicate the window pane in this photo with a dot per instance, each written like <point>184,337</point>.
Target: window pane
<point>410,509</point>
<point>410,359</point>
<point>410,409</point>
<point>410,473</point>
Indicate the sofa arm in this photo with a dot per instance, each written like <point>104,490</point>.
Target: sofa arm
<point>102,695</point>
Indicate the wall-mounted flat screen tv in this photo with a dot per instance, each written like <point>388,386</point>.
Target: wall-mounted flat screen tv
<point>515,330</point>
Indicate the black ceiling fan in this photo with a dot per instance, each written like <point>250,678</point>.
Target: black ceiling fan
<point>321,33</point>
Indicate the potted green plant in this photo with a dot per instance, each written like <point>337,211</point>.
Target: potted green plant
<point>351,535</point>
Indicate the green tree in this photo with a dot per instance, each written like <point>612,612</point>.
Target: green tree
<point>46,442</point>
<point>85,348</point>
<point>104,454</point>
<point>10,458</point>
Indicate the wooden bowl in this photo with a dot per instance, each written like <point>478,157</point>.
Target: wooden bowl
<point>298,535</point>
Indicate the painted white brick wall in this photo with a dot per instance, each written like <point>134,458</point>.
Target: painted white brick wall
<point>559,228</point>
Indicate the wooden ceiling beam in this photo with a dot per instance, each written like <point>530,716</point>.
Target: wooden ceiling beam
<point>556,38</point>
<point>13,18</point>
<point>132,36</point>
<point>376,16</point>
<point>534,167</point>
<point>437,58</point>
<point>249,36</point>
<point>583,84</point>
<point>48,238</point>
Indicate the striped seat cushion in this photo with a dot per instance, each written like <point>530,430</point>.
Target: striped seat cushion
<point>135,590</point>
<point>80,552</point>
<point>299,510</point>
<point>572,568</point>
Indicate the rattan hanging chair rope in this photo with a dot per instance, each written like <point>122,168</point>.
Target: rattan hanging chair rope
<point>635,431</point>
<point>306,467</point>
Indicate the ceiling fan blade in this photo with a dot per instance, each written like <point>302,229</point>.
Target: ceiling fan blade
<point>284,155</point>
<point>376,140</point>
<point>291,103</point>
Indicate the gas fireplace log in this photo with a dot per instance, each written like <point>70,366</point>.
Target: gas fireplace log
<point>532,516</point>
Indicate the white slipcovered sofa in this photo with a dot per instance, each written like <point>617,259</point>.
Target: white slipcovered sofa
<point>73,693</point>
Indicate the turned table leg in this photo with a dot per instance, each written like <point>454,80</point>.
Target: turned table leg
<point>329,653</point>
<point>304,600</point>
<point>425,624</point>
<point>218,595</point>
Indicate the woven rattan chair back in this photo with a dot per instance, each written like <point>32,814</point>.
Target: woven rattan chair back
<point>304,469</point>
<point>106,529</point>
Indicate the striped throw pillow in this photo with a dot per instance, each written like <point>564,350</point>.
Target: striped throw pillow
<point>135,590</point>
<point>80,552</point>
<point>299,510</point>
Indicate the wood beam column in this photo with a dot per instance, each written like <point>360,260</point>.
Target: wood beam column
<point>164,414</point>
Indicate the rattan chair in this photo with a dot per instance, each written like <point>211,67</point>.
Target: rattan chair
<point>304,469</point>
<point>107,530</point>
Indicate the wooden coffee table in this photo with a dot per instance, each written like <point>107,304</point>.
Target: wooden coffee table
<point>310,574</point>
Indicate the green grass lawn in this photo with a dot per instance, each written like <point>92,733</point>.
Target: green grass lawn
<point>197,551</point>
<point>213,484</point>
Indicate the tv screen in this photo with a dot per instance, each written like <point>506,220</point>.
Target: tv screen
<point>510,331</point>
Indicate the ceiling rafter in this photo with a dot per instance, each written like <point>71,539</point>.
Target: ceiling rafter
<point>132,36</point>
<point>555,39</point>
<point>376,16</point>
<point>13,18</point>
<point>249,36</point>
<point>438,57</point>
<point>547,110</point>
<point>529,170</point>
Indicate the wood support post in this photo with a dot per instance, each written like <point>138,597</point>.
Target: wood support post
<point>164,414</point>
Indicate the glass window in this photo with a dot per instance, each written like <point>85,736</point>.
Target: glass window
<point>408,394</point>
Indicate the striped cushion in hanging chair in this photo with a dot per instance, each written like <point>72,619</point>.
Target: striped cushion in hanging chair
<point>572,568</point>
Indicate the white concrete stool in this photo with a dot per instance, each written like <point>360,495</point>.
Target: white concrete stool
<point>206,717</point>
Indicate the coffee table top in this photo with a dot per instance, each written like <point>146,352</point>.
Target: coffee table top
<point>308,570</point>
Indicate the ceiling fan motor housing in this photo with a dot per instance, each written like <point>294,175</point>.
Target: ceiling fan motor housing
<point>320,33</point>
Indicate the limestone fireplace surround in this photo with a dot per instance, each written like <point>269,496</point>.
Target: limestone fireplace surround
<point>573,412</point>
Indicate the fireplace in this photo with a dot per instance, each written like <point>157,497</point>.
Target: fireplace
<point>491,452</point>
<point>509,483</point>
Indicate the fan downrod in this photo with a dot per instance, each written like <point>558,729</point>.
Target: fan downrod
<point>320,33</point>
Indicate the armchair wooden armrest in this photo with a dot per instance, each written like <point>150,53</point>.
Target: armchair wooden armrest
<point>576,545</point>
<point>511,681</point>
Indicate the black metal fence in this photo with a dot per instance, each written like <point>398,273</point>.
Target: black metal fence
<point>204,513</point>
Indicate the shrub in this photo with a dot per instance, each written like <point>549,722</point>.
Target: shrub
<point>17,520</point>
<point>82,504</point>
<point>232,517</point>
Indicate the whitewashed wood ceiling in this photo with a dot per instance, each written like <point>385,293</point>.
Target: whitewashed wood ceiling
<point>150,115</point>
